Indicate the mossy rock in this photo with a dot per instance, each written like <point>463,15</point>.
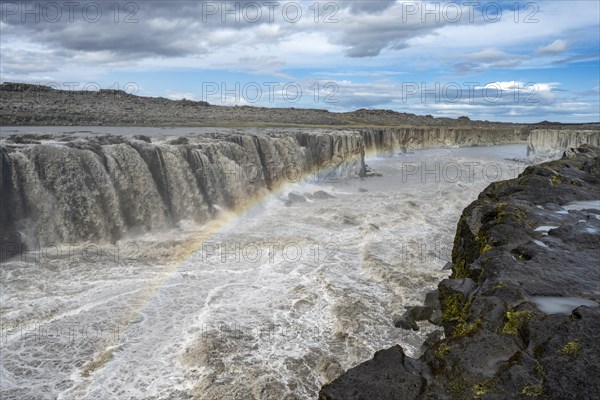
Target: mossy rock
<point>514,321</point>
<point>571,348</point>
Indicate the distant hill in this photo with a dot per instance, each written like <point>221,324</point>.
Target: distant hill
<point>27,104</point>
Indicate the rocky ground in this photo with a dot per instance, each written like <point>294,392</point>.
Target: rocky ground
<point>24,104</point>
<point>520,311</point>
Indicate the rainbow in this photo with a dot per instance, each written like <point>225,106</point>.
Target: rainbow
<point>223,221</point>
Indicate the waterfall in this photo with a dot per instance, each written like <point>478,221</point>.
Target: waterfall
<point>552,143</point>
<point>389,141</point>
<point>63,188</point>
<point>73,189</point>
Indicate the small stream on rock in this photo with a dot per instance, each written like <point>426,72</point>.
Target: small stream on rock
<point>269,304</point>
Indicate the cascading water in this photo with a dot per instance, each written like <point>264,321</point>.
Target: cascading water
<point>104,188</point>
<point>552,143</point>
<point>175,287</point>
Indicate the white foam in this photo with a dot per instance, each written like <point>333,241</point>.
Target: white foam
<point>545,228</point>
<point>350,298</point>
<point>583,205</point>
<point>560,305</point>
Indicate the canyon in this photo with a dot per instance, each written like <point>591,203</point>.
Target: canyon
<point>302,177</point>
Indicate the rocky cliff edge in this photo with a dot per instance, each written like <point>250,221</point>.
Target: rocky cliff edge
<point>520,311</point>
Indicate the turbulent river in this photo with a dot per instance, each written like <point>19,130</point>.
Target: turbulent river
<point>269,303</point>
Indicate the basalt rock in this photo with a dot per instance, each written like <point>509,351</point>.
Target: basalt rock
<point>365,381</point>
<point>322,195</point>
<point>100,188</point>
<point>522,248</point>
<point>409,319</point>
<point>296,198</point>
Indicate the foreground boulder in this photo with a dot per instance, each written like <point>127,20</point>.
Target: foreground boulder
<point>367,382</point>
<point>322,195</point>
<point>520,312</point>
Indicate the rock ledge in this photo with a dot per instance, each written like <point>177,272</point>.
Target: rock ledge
<point>520,312</point>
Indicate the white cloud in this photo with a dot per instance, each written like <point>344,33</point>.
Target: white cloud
<point>556,47</point>
<point>180,96</point>
<point>371,43</point>
<point>376,35</point>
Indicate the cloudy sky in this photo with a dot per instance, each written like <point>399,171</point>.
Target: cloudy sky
<point>502,61</point>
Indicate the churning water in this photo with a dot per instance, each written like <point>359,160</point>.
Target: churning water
<point>268,304</point>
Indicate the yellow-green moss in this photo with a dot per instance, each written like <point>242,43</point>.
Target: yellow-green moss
<point>464,329</point>
<point>499,212</point>
<point>571,348</point>
<point>460,269</point>
<point>556,179</point>
<point>539,368</point>
<point>454,308</point>
<point>485,249</point>
<point>458,386</point>
<point>442,350</point>
<point>482,241</point>
<point>481,388</point>
<point>514,321</point>
<point>501,285</point>
<point>532,390</point>
<point>517,214</point>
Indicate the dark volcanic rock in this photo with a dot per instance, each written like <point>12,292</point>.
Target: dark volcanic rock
<point>322,195</point>
<point>413,314</point>
<point>179,141</point>
<point>143,138</point>
<point>566,348</point>
<point>524,247</point>
<point>406,322</point>
<point>367,381</point>
<point>296,198</point>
